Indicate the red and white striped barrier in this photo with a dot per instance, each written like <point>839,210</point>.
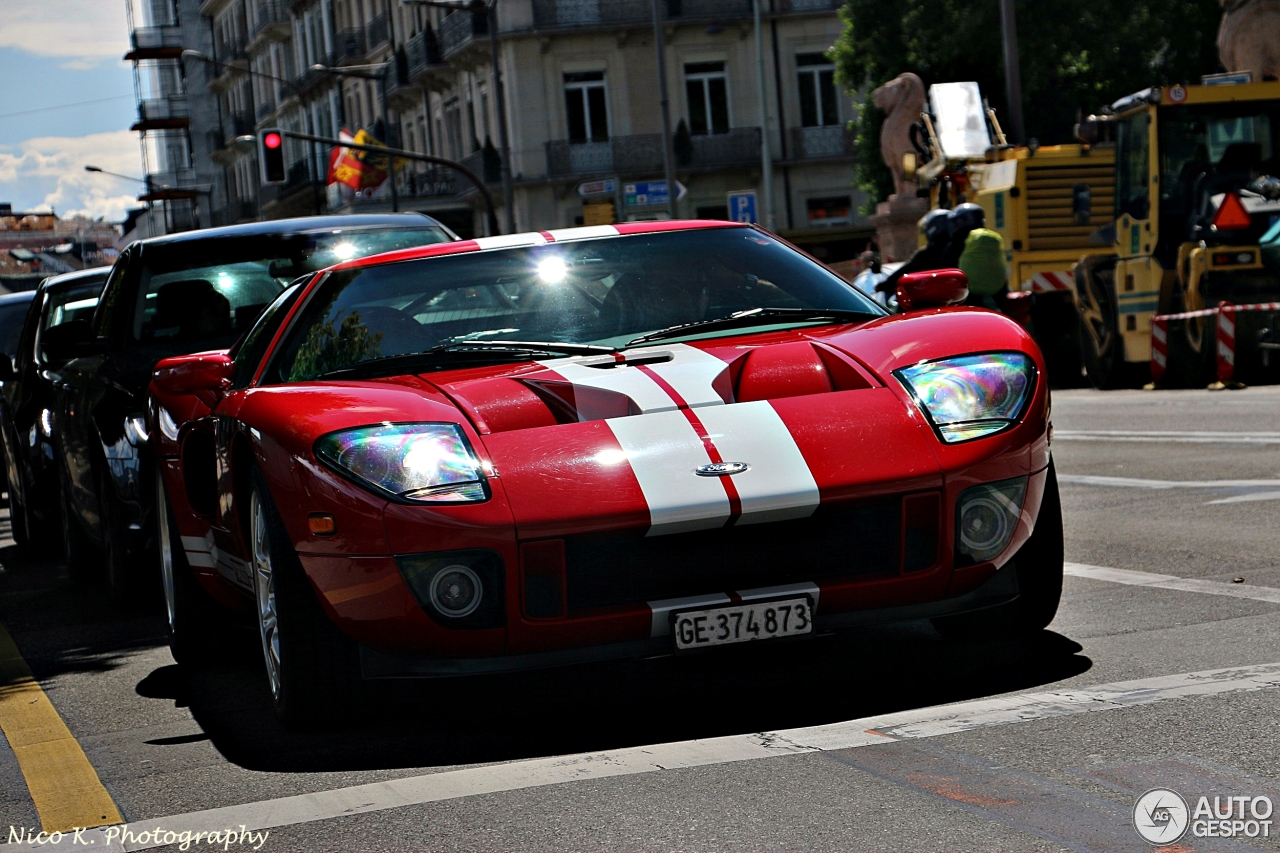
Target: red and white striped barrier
<point>1226,337</point>
<point>1048,282</point>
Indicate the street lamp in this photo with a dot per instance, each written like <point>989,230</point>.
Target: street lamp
<point>499,91</point>
<point>115,174</point>
<point>306,114</point>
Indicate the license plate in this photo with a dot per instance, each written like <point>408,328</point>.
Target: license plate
<point>742,623</point>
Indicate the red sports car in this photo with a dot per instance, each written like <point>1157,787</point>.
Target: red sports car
<point>599,442</point>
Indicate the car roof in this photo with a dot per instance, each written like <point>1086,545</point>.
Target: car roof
<point>13,298</point>
<point>538,238</point>
<point>297,225</point>
<point>73,280</point>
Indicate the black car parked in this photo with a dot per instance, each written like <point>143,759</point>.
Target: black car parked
<point>169,296</point>
<point>13,310</point>
<point>26,425</point>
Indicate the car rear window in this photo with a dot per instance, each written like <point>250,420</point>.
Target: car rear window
<point>196,295</point>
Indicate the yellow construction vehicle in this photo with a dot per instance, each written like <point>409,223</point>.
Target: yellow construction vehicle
<point>1161,208</point>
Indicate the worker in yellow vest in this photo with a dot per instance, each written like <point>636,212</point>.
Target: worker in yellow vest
<point>982,259</point>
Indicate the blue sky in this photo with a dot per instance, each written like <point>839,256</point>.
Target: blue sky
<point>54,53</point>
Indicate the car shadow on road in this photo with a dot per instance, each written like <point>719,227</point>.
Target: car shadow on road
<point>440,723</point>
<point>61,626</point>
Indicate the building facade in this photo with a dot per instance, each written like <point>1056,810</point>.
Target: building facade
<point>583,112</point>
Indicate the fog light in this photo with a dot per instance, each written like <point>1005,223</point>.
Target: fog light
<point>456,591</point>
<point>986,518</point>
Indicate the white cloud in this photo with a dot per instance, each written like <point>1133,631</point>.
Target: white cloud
<point>30,167</point>
<point>85,32</point>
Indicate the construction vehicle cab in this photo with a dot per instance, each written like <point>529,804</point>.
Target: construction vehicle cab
<point>1195,193</point>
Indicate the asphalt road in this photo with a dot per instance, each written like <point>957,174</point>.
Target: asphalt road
<point>1165,673</point>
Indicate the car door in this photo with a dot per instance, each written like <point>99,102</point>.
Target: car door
<point>85,388</point>
<point>16,415</point>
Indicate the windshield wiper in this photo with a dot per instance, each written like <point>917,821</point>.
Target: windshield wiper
<point>752,317</point>
<point>470,352</point>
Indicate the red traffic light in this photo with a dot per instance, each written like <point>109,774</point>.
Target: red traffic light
<point>272,140</point>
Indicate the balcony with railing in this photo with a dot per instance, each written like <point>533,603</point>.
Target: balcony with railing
<point>459,30</point>
<point>171,184</point>
<point>609,13</point>
<point>232,57</point>
<point>349,47</point>
<point>163,113</point>
<point>377,33</point>
<point>237,124</point>
<point>266,109</point>
<point>161,42</point>
<point>634,155</point>
<point>833,140</point>
<point>311,79</point>
<point>424,56</point>
<point>272,21</point>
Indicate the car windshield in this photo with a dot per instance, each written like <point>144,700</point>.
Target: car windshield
<point>1235,139</point>
<point>63,306</point>
<point>203,294</point>
<point>12,314</point>
<point>602,291</point>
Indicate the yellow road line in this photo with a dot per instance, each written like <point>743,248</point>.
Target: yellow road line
<point>64,786</point>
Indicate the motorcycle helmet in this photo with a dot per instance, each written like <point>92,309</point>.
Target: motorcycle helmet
<point>967,217</point>
<point>936,226</point>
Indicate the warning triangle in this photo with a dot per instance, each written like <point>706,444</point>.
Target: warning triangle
<point>1231,215</point>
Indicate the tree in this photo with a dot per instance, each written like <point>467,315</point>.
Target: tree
<point>1075,55</point>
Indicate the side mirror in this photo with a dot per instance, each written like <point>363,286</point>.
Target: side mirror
<point>204,374</point>
<point>932,289</point>
<point>68,340</point>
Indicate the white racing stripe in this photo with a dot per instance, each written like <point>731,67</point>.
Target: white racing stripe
<point>507,241</point>
<point>586,232</point>
<point>1132,578</point>
<point>664,451</point>
<point>690,371</point>
<point>542,772</point>
<point>778,484</point>
<point>1158,436</point>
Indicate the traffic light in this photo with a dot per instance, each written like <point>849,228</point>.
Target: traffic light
<point>271,155</point>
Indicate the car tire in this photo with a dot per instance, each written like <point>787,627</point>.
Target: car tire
<point>195,620</point>
<point>313,669</point>
<point>1101,344</point>
<point>83,559</point>
<point>1039,568</point>
<point>124,580</point>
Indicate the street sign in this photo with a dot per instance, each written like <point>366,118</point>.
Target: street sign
<point>598,213</point>
<point>650,193</point>
<point>587,189</point>
<point>742,207</point>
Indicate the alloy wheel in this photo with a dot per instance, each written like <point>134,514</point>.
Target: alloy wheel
<point>166,553</point>
<point>264,583</point>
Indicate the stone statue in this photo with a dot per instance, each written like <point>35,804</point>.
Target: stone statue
<point>903,99</point>
<point>1249,37</point>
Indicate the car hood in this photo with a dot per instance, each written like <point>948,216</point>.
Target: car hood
<point>677,437</point>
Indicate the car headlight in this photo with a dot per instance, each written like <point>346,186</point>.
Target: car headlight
<point>422,463</point>
<point>971,396</point>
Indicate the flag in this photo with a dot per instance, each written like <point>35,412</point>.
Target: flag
<point>335,157</point>
<point>360,170</point>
